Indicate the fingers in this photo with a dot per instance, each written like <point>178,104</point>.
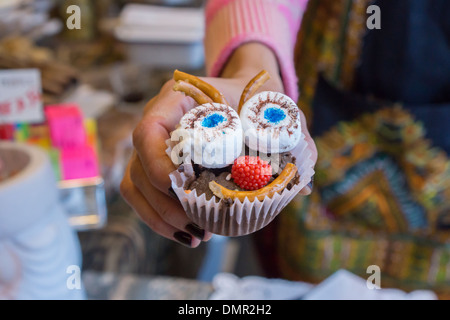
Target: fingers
<point>163,215</point>
<point>308,189</point>
<point>169,210</point>
<point>308,138</point>
<point>146,182</point>
<point>149,138</point>
<point>139,204</point>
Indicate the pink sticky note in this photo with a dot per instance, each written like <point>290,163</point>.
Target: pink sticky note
<point>66,126</point>
<point>79,163</point>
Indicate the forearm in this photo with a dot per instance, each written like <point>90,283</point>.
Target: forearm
<point>232,24</point>
<point>249,59</point>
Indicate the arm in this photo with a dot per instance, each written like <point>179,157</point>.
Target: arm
<point>145,185</point>
<point>232,23</point>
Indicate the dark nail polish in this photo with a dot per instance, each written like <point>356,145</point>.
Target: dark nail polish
<point>183,237</point>
<point>196,231</point>
<point>172,194</point>
<point>74,81</point>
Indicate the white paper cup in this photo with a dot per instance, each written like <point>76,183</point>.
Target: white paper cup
<point>236,218</point>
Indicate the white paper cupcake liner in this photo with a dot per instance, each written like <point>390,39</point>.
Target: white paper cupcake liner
<point>238,218</point>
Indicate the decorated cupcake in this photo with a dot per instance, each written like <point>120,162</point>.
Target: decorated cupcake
<point>237,169</point>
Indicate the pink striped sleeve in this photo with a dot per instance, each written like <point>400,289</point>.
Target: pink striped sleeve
<point>275,23</point>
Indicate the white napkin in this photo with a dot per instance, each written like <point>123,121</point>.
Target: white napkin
<point>342,285</point>
<point>230,287</point>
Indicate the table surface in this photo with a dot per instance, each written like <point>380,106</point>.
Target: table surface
<point>111,286</point>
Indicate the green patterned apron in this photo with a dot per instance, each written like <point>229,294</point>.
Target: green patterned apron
<point>382,183</point>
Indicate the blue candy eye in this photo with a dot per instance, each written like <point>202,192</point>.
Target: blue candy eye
<point>274,115</point>
<point>213,120</point>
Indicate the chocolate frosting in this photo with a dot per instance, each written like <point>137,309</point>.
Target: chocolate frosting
<point>204,176</point>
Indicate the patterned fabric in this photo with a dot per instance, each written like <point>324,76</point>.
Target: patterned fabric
<point>329,41</point>
<point>382,189</point>
<point>381,200</point>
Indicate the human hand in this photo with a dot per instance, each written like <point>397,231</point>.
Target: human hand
<point>145,185</point>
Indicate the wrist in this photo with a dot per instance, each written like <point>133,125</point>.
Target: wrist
<point>251,58</point>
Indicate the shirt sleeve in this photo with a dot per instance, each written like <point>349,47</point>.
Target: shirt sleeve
<point>275,23</point>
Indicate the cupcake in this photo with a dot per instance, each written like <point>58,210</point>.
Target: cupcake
<point>237,169</point>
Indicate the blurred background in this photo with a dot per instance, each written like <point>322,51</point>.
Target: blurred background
<point>94,83</point>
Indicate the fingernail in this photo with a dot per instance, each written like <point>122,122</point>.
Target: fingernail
<point>311,184</point>
<point>184,238</point>
<point>74,80</point>
<point>196,231</point>
<point>172,194</point>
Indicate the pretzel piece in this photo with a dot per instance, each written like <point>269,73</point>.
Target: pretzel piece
<point>208,89</point>
<point>275,186</point>
<point>253,86</point>
<point>192,91</point>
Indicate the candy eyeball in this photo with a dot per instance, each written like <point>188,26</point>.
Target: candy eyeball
<point>271,122</point>
<point>209,135</point>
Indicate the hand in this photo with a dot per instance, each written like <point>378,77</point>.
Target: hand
<point>145,185</point>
